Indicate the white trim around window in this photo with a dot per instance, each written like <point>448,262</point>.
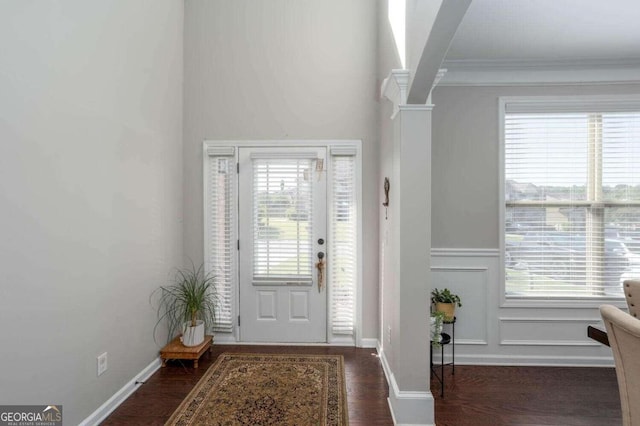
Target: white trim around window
<point>600,115</point>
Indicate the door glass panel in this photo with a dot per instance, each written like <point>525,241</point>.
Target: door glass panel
<point>282,221</point>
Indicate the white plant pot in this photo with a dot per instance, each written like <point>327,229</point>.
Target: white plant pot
<point>192,336</point>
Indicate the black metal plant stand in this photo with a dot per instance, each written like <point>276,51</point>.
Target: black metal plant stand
<point>446,339</point>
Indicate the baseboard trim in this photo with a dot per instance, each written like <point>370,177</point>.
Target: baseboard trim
<point>344,344</point>
<point>410,408</point>
<point>403,424</point>
<point>120,396</point>
<point>383,361</point>
<point>224,339</point>
<point>230,339</point>
<point>369,343</point>
<point>407,407</point>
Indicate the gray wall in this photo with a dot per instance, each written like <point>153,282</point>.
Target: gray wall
<point>465,159</point>
<point>465,238</point>
<point>90,192</point>
<point>282,69</point>
<point>388,59</point>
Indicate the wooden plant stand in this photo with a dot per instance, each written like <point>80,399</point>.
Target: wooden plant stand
<point>176,350</point>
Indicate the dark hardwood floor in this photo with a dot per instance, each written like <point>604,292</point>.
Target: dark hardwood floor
<point>475,396</point>
<point>155,401</point>
<point>497,396</point>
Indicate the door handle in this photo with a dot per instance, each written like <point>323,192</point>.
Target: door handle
<point>320,267</point>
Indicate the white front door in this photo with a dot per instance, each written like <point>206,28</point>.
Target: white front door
<point>282,233</point>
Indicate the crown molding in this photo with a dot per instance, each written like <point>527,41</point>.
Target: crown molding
<point>542,72</point>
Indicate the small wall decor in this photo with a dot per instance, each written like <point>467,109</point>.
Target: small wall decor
<point>386,197</point>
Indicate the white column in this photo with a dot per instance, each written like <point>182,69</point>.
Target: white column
<point>407,344</point>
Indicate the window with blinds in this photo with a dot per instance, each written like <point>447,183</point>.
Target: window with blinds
<point>220,223</point>
<point>343,244</point>
<point>572,197</point>
<point>282,221</point>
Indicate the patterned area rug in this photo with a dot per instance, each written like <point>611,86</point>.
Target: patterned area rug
<point>264,389</point>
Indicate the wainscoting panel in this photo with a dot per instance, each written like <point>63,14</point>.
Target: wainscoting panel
<point>546,331</point>
<point>488,333</point>
<point>471,284</point>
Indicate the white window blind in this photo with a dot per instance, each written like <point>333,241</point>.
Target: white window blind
<point>282,222</point>
<point>221,256</point>
<point>572,199</point>
<point>343,244</point>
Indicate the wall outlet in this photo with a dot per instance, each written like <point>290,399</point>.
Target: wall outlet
<point>389,335</point>
<point>102,363</point>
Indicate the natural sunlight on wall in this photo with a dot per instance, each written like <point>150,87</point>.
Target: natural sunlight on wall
<point>397,19</point>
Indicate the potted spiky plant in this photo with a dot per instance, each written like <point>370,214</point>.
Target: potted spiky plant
<point>188,305</point>
<point>445,302</point>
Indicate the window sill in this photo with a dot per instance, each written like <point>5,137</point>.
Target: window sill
<point>561,303</point>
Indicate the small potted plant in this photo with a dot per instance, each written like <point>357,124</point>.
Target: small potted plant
<point>445,302</point>
<point>188,305</point>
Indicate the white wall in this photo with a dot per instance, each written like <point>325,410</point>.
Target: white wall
<point>282,69</point>
<point>466,230</point>
<point>90,192</point>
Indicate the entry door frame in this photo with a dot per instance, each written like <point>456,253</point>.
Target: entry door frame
<point>285,294</point>
<point>333,146</point>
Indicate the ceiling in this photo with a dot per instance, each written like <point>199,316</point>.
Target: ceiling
<point>596,31</point>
